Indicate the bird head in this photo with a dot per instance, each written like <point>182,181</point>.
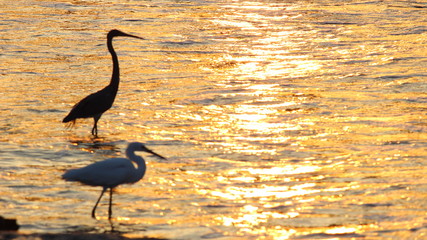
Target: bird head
<point>116,33</point>
<point>137,146</point>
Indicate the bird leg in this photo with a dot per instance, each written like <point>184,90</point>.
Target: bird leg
<point>95,125</point>
<point>96,204</point>
<point>110,212</point>
<point>95,129</point>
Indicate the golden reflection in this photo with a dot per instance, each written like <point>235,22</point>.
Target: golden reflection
<point>341,230</point>
<point>251,220</point>
<point>269,54</point>
<point>269,66</point>
<point>268,195</point>
<point>235,89</point>
<point>265,192</point>
<point>288,170</point>
<point>244,127</point>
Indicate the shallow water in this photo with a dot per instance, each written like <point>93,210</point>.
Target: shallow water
<point>279,119</point>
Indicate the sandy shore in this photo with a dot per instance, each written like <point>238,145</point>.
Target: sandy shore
<point>67,236</point>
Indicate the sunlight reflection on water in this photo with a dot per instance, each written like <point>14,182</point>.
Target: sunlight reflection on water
<point>279,119</point>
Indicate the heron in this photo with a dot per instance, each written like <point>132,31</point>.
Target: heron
<point>94,105</point>
<point>112,172</point>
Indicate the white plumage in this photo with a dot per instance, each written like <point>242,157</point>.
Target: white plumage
<point>108,173</point>
<point>112,172</point>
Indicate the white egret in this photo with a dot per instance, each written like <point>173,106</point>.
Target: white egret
<point>112,172</point>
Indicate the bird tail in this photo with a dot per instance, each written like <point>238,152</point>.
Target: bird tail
<point>71,124</point>
<point>68,118</point>
<point>71,121</point>
<point>69,175</point>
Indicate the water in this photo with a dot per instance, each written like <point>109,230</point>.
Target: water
<point>279,119</point>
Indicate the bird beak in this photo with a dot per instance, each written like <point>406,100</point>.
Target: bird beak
<point>155,154</point>
<point>133,36</point>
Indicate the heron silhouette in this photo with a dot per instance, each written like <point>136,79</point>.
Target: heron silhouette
<point>112,172</point>
<point>94,105</point>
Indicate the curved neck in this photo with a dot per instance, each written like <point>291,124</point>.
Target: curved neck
<point>130,154</point>
<point>115,78</point>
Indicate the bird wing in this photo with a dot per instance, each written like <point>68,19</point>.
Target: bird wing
<point>92,105</point>
<point>107,173</point>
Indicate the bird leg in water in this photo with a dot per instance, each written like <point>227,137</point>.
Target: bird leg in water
<point>95,130</point>
<point>96,204</point>
<point>95,125</point>
<point>110,211</point>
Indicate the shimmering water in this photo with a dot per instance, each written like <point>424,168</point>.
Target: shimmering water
<point>279,119</point>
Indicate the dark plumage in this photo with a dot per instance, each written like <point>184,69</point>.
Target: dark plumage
<point>94,105</point>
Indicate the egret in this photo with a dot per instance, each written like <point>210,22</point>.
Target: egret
<point>112,172</point>
<point>94,105</point>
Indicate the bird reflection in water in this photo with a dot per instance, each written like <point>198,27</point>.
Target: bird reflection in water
<point>96,144</point>
<point>94,105</point>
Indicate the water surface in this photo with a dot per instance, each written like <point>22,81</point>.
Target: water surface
<point>279,119</point>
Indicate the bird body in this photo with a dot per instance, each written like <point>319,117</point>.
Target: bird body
<point>88,107</point>
<point>112,172</point>
<point>108,173</point>
<point>94,105</point>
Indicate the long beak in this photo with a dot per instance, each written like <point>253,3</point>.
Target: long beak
<point>133,36</point>
<point>155,154</point>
